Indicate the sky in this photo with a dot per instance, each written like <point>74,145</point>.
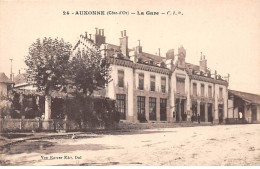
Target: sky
<point>226,31</point>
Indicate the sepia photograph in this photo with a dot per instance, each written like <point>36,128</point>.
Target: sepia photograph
<point>129,83</point>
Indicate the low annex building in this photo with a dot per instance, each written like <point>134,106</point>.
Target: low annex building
<point>243,107</point>
<point>150,87</point>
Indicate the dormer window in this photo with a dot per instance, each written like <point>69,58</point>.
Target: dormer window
<point>163,64</point>
<point>139,60</point>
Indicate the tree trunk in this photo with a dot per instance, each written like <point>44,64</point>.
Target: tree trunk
<point>47,115</point>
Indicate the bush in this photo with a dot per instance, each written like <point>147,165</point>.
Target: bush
<point>93,112</point>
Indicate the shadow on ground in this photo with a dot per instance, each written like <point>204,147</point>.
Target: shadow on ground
<point>47,147</point>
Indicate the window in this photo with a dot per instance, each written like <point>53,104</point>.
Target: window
<point>141,81</point>
<point>163,106</point>
<point>180,86</point>
<point>121,106</point>
<point>195,89</point>
<point>202,90</point>
<point>210,92</point>
<point>141,108</point>
<point>221,93</point>
<point>120,78</point>
<point>152,83</point>
<point>163,84</point>
<point>152,108</point>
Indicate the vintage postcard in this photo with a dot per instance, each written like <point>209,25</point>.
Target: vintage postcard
<point>129,83</point>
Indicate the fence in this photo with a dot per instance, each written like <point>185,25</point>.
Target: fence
<point>62,125</point>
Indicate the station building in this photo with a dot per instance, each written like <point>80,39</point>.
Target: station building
<point>155,88</point>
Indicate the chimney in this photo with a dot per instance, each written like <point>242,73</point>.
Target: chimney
<point>215,75</point>
<point>203,64</point>
<point>11,74</point>
<point>124,43</point>
<point>170,54</point>
<point>99,37</point>
<point>138,48</point>
<point>181,57</point>
<point>159,52</point>
<point>169,64</point>
<point>86,34</point>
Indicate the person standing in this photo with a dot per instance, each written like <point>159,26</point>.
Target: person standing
<point>199,118</point>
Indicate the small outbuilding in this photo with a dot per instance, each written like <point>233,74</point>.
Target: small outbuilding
<point>243,107</point>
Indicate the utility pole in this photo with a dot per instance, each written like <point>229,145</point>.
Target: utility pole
<point>11,75</point>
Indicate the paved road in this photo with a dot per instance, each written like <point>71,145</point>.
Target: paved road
<point>207,145</point>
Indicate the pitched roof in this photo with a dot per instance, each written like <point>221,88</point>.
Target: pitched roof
<point>20,78</point>
<point>248,97</point>
<point>146,56</point>
<point>4,78</point>
<point>195,67</point>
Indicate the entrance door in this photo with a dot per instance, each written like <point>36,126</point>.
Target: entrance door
<point>202,112</point>
<point>177,108</point>
<point>210,116</point>
<point>254,114</point>
<point>220,113</point>
<point>194,111</point>
<point>183,113</point>
<point>141,108</point>
<point>163,106</point>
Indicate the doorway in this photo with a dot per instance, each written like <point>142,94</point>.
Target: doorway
<point>210,115</point>
<point>202,112</point>
<point>254,113</point>
<point>181,115</point>
<point>220,113</point>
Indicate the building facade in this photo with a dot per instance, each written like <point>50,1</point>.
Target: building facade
<point>153,88</point>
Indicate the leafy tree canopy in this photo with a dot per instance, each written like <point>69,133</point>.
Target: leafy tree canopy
<point>89,70</point>
<point>47,63</point>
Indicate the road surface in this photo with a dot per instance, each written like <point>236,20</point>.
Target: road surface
<point>205,145</point>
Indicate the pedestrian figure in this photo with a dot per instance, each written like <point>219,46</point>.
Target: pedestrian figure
<point>240,115</point>
<point>199,118</point>
<point>220,118</point>
<point>192,118</point>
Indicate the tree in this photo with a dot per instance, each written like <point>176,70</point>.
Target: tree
<point>48,63</point>
<point>89,71</point>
